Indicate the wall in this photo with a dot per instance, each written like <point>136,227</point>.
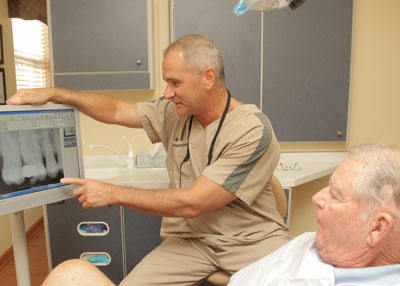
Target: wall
<point>374,96</point>
<point>376,74</point>
<point>31,215</point>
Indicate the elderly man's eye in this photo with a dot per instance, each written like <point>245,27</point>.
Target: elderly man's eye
<point>337,196</point>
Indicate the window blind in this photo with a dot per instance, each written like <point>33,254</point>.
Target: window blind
<point>31,52</point>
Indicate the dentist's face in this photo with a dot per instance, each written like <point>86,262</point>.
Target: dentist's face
<point>184,88</point>
<point>342,235</point>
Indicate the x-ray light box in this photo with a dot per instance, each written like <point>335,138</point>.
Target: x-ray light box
<point>39,145</point>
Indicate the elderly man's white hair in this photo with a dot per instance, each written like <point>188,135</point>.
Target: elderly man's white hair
<point>379,186</point>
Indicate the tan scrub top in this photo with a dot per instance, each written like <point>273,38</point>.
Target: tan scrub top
<point>245,155</point>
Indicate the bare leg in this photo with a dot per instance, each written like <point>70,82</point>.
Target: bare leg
<point>77,272</point>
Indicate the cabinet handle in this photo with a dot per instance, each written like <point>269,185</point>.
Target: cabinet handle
<point>138,62</point>
<point>93,228</point>
<point>97,258</point>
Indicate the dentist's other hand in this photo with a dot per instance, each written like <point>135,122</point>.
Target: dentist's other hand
<point>91,193</point>
<point>33,96</point>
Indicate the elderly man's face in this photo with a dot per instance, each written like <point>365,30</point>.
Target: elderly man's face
<point>342,235</point>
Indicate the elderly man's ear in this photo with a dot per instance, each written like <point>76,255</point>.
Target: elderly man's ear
<point>380,226</point>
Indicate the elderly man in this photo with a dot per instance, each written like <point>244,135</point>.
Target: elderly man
<point>358,236</point>
<point>219,212</point>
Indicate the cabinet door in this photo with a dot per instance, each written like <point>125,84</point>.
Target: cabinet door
<point>238,38</point>
<point>63,220</point>
<point>142,235</point>
<point>306,70</point>
<point>101,44</point>
<point>306,58</point>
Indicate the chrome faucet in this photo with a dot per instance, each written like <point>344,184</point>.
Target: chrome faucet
<point>129,161</point>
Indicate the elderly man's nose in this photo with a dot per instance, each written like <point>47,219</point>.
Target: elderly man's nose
<point>319,199</point>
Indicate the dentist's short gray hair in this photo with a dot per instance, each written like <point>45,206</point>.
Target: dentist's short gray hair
<point>199,53</point>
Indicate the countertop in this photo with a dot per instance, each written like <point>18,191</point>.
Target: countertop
<point>310,166</point>
<point>293,169</point>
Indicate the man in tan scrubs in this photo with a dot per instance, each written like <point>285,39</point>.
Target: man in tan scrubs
<point>219,211</point>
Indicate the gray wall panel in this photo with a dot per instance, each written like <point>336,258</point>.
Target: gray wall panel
<point>238,38</point>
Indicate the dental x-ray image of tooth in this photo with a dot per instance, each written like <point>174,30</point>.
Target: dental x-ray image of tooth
<point>30,158</point>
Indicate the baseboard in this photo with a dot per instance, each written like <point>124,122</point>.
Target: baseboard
<point>8,255</point>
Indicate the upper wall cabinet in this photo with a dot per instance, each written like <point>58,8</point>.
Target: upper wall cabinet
<point>293,64</point>
<point>306,70</point>
<point>101,44</point>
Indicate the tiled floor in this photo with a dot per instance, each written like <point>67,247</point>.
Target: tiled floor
<point>37,262</point>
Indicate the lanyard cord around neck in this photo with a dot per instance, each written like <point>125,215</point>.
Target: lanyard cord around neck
<point>210,152</point>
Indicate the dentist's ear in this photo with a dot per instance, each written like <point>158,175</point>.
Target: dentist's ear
<point>209,77</point>
<point>380,226</point>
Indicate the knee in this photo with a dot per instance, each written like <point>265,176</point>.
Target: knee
<point>75,265</point>
<point>69,272</point>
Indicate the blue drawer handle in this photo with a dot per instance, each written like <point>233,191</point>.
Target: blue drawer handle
<point>94,228</point>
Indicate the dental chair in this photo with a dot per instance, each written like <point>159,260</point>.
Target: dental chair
<point>221,278</point>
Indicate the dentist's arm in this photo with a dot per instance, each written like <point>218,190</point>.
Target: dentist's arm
<point>99,107</point>
<point>202,197</point>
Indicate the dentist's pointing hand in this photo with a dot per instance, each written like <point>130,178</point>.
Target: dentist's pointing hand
<point>91,193</point>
